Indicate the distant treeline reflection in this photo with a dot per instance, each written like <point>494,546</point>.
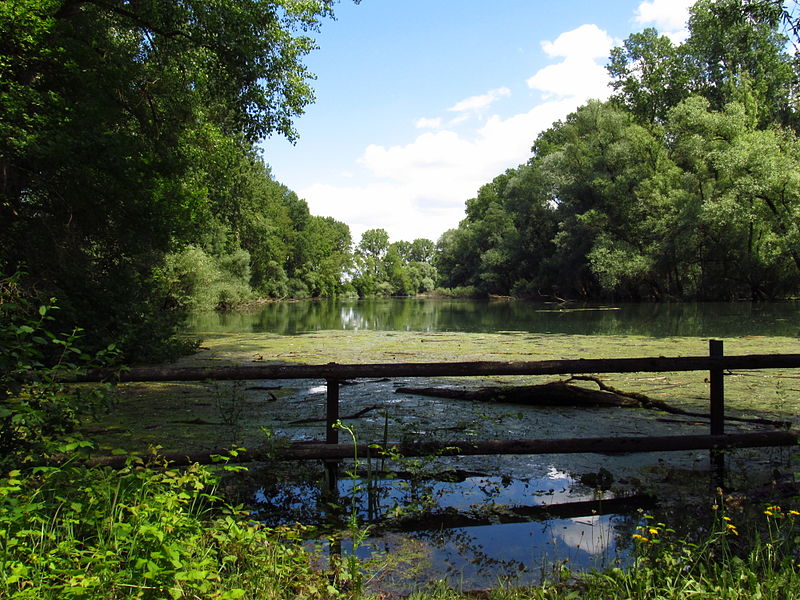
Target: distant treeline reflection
<point>448,315</point>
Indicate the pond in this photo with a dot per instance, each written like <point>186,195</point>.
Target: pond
<point>710,319</point>
<point>474,521</point>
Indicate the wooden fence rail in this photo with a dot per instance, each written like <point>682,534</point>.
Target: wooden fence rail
<point>716,364</point>
<point>451,369</point>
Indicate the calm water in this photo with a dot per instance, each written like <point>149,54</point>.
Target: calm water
<point>521,550</point>
<point>433,315</point>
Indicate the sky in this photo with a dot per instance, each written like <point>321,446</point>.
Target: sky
<point>421,102</point>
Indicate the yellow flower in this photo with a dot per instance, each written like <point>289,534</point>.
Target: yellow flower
<point>732,529</point>
<point>768,512</point>
<point>726,518</point>
<point>653,531</point>
<point>794,513</point>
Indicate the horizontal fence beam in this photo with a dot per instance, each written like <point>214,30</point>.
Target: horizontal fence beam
<point>602,445</point>
<point>335,371</point>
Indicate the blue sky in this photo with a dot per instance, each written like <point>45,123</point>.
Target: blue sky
<point>420,102</point>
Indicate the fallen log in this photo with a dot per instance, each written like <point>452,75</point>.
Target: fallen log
<point>451,518</point>
<point>558,393</point>
<point>561,393</point>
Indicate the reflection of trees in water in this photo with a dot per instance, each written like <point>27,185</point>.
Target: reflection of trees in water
<point>434,315</point>
<point>534,548</point>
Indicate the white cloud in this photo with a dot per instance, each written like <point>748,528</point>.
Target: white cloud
<point>579,75</point>
<point>593,534</point>
<point>425,123</point>
<point>419,189</point>
<point>668,16</point>
<point>478,102</point>
<point>586,41</point>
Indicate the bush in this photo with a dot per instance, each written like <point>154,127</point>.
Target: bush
<point>36,410</point>
<point>197,280</point>
<point>462,291</point>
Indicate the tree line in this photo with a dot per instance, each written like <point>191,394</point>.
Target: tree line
<point>131,185</point>
<point>684,185</point>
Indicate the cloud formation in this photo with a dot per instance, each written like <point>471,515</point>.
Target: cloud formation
<point>581,74</point>
<point>479,102</point>
<point>423,123</point>
<point>668,16</point>
<point>418,189</point>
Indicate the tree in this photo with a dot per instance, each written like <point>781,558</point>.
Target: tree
<point>106,111</point>
<point>744,186</point>
<point>649,74</point>
<point>737,50</point>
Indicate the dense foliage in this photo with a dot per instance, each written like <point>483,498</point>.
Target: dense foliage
<point>127,132</point>
<point>683,186</point>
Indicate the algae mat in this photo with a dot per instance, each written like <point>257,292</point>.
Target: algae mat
<point>193,416</point>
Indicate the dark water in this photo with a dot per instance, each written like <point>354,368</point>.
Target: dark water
<point>443,315</point>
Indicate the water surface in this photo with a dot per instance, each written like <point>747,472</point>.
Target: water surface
<point>382,330</point>
<point>711,319</point>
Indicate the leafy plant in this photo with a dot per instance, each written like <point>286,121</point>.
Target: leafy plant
<point>35,409</point>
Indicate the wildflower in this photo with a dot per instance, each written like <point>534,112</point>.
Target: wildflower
<point>640,538</point>
<point>652,531</point>
<point>768,512</point>
<point>794,513</point>
<point>726,519</point>
<point>731,528</point>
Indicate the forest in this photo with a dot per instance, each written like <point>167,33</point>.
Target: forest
<point>683,186</point>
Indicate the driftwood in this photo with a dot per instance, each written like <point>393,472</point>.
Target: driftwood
<point>561,393</point>
<point>558,393</point>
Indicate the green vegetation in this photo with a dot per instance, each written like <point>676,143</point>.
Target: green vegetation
<point>141,532</point>
<point>131,190</point>
<point>682,186</point>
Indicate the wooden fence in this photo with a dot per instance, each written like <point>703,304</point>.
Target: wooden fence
<point>716,363</point>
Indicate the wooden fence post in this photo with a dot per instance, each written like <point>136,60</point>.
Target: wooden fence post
<point>717,412</point>
<point>332,412</point>
<point>717,390</point>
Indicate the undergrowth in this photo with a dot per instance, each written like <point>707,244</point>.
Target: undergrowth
<point>146,531</point>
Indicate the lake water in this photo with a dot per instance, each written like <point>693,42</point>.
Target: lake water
<point>475,531</point>
<point>711,319</point>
